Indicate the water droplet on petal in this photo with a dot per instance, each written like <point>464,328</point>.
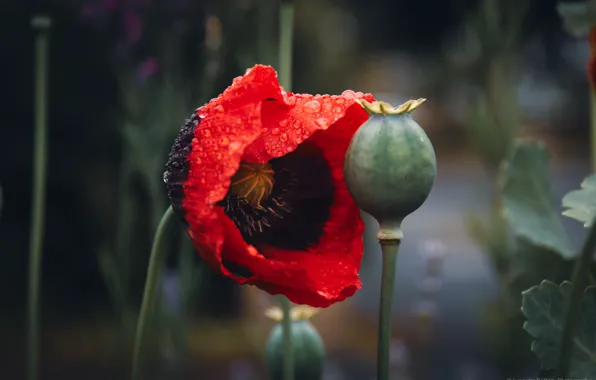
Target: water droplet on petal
<point>289,149</point>
<point>338,110</point>
<point>312,106</point>
<point>348,94</point>
<point>206,133</point>
<point>297,124</point>
<point>340,101</point>
<point>264,130</point>
<point>234,147</point>
<point>198,160</point>
<point>219,109</point>
<point>283,137</point>
<point>322,122</point>
<point>224,141</point>
<point>275,131</point>
<point>283,123</point>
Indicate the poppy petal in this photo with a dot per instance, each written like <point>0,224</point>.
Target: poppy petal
<point>255,120</point>
<point>228,124</point>
<point>327,272</point>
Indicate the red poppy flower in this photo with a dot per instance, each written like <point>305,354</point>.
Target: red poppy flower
<point>257,177</point>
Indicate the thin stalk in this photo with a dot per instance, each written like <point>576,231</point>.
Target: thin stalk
<point>593,127</point>
<point>41,25</point>
<point>579,282</point>
<point>265,31</point>
<point>286,20</point>
<point>288,350</point>
<point>156,263</point>
<point>389,249</point>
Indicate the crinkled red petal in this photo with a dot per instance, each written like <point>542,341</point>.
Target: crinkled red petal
<point>327,272</point>
<point>229,123</point>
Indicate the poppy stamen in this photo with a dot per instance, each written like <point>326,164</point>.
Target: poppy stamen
<point>253,182</point>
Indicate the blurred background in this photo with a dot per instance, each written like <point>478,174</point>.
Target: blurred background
<point>124,75</point>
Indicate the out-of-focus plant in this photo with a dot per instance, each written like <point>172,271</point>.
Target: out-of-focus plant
<point>164,69</point>
<point>553,312</point>
<point>41,26</point>
<point>491,37</point>
<point>558,317</point>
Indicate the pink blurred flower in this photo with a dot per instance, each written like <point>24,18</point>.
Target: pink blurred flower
<point>133,26</point>
<point>148,67</point>
<point>109,5</point>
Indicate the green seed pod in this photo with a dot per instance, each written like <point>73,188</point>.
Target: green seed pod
<point>308,349</point>
<point>390,166</point>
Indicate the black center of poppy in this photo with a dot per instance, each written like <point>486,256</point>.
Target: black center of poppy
<point>288,212</point>
<point>293,215</point>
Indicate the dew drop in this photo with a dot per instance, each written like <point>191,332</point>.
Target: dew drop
<point>288,149</point>
<point>312,106</point>
<point>283,123</point>
<point>224,141</point>
<point>275,131</point>
<point>338,110</point>
<point>206,133</point>
<point>348,94</point>
<point>198,160</point>
<point>340,101</point>
<point>264,130</point>
<point>234,146</point>
<point>219,109</point>
<point>297,124</point>
<point>322,122</point>
<point>283,137</point>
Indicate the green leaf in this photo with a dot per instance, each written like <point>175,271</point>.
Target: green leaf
<point>581,204</point>
<point>544,308</point>
<point>528,203</point>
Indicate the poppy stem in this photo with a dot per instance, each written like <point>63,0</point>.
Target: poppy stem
<point>593,127</point>
<point>288,350</point>
<point>156,263</point>
<point>41,25</point>
<point>286,21</point>
<point>579,282</point>
<point>389,248</point>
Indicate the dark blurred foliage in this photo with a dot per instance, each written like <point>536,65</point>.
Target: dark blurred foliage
<point>85,102</point>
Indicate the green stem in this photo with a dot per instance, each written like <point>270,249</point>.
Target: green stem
<point>41,25</point>
<point>389,248</point>
<point>156,263</point>
<point>288,350</point>
<point>593,127</point>
<point>286,20</point>
<point>579,282</point>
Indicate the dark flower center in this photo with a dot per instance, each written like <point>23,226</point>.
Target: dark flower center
<point>294,214</point>
<point>284,203</point>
